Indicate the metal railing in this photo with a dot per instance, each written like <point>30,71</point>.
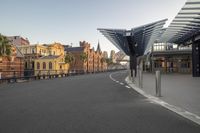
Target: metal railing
<point>27,75</point>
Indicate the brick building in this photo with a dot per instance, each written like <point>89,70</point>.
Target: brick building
<point>18,40</point>
<point>93,62</point>
<point>12,66</point>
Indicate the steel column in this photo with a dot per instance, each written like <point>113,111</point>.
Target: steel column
<point>196,59</point>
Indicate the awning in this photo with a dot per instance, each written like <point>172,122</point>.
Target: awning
<point>185,25</point>
<point>137,40</point>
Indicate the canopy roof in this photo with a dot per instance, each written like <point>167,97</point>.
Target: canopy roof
<point>137,40</point>
<point>185,25</point>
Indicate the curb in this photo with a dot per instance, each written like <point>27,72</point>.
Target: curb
<point>193,117</point>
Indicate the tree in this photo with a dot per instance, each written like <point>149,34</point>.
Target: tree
<point>69,58</point>
<point>103,60</point>
<point>5,47</point>
<point>84,58</point>
<point>109,61</point>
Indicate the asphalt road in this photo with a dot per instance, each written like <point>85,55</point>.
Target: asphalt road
<point>84,104</point>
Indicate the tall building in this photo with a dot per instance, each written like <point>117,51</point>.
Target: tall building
<point>18,40</point>
<point>112,56</point>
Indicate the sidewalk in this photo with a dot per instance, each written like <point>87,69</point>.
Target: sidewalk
<point>181,90</point>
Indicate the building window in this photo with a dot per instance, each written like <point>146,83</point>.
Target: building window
<point>26,65</point>
<point>33,65</point>
<point>38,65</point>
<point>44,65</point>
<point>33,50</point>
<point>50,65</point>
<point>60,66</point>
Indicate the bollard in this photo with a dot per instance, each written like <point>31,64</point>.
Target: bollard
<point>140,79</point>
<point>158,84</point>
<point>133,78</point>
<point>129,75</point>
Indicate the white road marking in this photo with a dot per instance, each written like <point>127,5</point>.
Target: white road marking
<point>127,86</point>
<point>121,83</point>
<point>193,117</point>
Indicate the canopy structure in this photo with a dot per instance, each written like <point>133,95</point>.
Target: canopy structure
<point>185,25</point>
<point>136,41</point>
<point>183,30</point>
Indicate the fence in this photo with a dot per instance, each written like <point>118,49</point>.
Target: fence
<point>17,76</point>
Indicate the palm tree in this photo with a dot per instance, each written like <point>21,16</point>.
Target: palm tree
<point>5,47</point>
<point>84,58</point>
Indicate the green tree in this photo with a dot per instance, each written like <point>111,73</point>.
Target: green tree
<point>84,58</point>
<point>5,47</point>
<point>109,61</point>
<point>69,58</point>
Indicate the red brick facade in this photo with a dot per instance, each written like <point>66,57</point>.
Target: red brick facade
<point>94,61</point>
<point>11,66</point>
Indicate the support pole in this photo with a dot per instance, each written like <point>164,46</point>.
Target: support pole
<point>158,84</point>
<point>133,78</point>
<point>196,59</point>
<point>140,72</point>
<point>129,75</point>
<point>140,79</point>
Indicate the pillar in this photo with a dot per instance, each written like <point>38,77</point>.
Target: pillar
<point>196,59</point>
<point>133,64</point>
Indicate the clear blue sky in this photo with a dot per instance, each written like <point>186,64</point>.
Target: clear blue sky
<point>71,21</point>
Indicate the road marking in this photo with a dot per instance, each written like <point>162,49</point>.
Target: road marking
<point>127,86</point>
<point>121,83</point>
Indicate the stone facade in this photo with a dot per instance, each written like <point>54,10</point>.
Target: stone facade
<point>49,65</point>
<point>41,53</point>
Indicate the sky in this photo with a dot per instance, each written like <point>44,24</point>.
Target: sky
<point>71,21</point>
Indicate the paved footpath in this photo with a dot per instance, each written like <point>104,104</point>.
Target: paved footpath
<point>181,90</point>
<point>84,104</point>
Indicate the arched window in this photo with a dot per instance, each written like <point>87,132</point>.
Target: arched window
<point>50,65</point>
<point>33,65</point>
<point>44,65</point>
<point>38,65</point>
